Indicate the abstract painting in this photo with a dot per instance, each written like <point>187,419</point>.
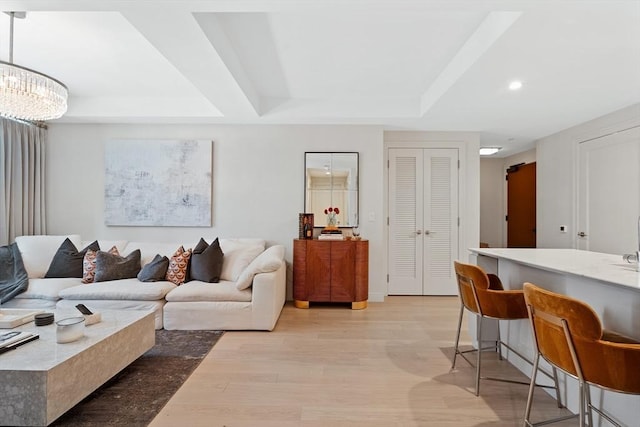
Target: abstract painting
<point>161,183</point>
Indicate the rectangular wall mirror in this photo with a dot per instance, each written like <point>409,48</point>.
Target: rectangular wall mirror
<point>331,179</point>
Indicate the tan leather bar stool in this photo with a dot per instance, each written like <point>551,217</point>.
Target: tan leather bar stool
<point>568,334</point>
<point>482,294</point>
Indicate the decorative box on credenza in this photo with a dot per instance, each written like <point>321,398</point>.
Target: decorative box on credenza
<point>331,271</point>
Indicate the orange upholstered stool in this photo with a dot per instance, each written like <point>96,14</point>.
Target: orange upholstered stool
<point>568,334</point>
<point>482,294</point>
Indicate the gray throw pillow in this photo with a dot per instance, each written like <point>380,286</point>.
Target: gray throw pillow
<point>67,262</point>
<point>114,267</point>
<point>154,271</point>
<point>206,261</point>
<point>200,247</point>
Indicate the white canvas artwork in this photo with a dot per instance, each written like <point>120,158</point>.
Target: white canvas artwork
<point>158,183</point>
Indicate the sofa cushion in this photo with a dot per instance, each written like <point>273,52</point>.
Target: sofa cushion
<point>67,261</point>
<point>125,289</point>
<point>155,270</point>
<point>206,261</point>
<point>48,289</point>
<point>38,251</point>
<point>238,254</point>
<point>178,264</point>
<point>89,264</point>
<point>115,267</point>
<point>196,290</point>
<point>267,261</point>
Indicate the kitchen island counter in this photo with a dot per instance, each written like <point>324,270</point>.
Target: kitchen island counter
<point>604,281</point>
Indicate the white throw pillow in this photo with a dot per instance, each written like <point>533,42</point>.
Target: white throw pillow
<point>236,258</point>
<point>267,261</point>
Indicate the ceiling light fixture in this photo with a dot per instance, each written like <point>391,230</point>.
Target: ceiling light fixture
<point>487,151</point>
<point>515,85</point>
<point>27,94</point>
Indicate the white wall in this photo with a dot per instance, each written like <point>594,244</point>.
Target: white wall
<point>556,180</point>
<point>258,182</point>
<point>492,201</point>
<point>557,186</point>
<point>557,169</point>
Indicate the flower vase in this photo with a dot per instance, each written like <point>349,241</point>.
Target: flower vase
<point>332,221</point>
<point>332,218</point>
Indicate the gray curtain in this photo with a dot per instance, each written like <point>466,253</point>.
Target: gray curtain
<point>22,175</point>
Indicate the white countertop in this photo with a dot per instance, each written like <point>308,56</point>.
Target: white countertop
<point>594,265</point>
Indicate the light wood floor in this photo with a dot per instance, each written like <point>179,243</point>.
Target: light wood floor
<point>387,365</point>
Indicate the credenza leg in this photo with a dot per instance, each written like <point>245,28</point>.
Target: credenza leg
<point>301,304</point>
<point>358,305</point>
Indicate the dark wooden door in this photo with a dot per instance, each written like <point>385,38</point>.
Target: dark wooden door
<point>521,206</point>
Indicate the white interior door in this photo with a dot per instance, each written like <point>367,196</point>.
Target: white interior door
<point>423,221</point>
<point>609,193</point>
<point>406,194</point>
<point>440,235</point>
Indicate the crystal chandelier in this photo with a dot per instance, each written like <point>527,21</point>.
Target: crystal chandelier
<point>27,94</point>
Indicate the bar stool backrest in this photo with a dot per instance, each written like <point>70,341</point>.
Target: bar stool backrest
<point>470,277</point>
<point>483,293</point>
<point>558,321</point>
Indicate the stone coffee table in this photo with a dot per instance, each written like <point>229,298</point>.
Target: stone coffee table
<point>41,380</point>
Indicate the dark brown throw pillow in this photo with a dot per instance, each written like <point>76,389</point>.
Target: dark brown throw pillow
<point>67,262</point>
<point>115,267</point>
<point>155,270</point>
<point>206,262</point>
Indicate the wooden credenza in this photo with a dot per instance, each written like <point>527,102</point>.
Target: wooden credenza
<point>331,271</point>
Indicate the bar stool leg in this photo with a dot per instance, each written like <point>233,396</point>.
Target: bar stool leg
<point>581,404</point>
<point>587,396</point>
<point>456,351</point>
<point>532,386</point>
<point>556,386</point>
<point>478,359</point>
<point>499,343</point>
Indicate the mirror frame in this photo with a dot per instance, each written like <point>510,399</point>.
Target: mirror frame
<point>322,223</point>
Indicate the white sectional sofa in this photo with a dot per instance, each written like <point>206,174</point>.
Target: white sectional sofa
<point>190,306</point>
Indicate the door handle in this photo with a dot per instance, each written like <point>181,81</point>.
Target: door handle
<point>582,234</point>
<point>419,232</point>
<point>427,232</point>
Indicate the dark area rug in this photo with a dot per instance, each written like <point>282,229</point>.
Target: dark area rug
<point>135,395</point>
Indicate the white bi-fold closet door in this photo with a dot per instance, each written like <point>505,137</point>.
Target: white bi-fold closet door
<point>423,221</point>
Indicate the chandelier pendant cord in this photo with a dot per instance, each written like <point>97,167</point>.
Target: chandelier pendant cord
<point>13,16</point>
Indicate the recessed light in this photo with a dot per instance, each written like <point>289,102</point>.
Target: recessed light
<point>515,85</point>
<point>487,151</point>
